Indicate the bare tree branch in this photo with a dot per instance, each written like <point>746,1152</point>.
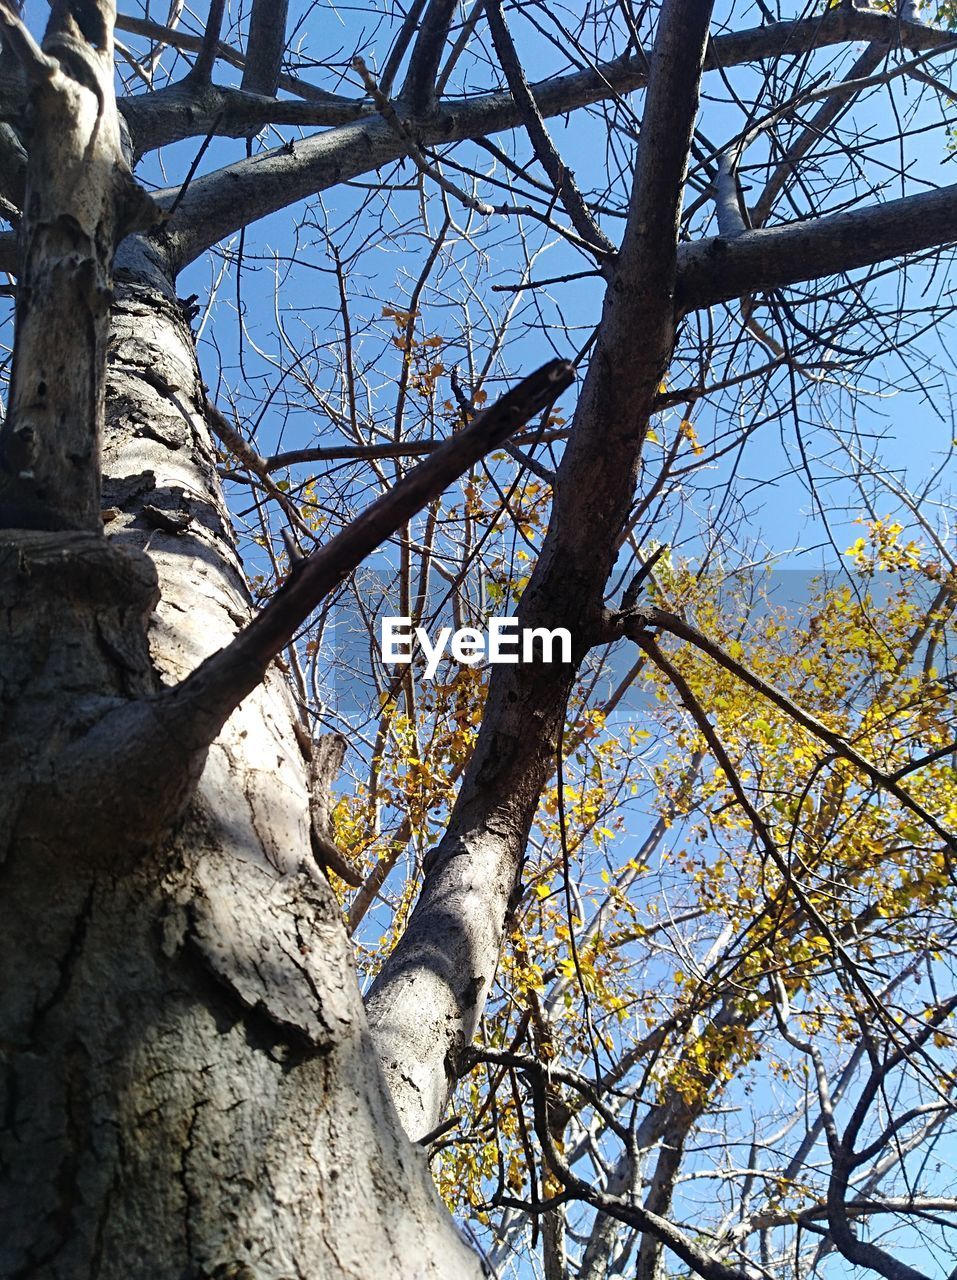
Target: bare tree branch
<point>216,687</point>
<point>562,178</point>
<point>265,45</point>
<point>37,66</point>
<point>836,102</point>
<point>456,928</point>
<point>224,52</point>
<point>401,44</point>
<point>369,452</point>
<point>721,268</point>
<point>704,1263</point>
<point>222,202</point>
<point>202,68</point>
<point>418,92</point>
<point>159,118</point>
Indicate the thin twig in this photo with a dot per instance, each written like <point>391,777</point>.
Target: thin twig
<point>388,113</point>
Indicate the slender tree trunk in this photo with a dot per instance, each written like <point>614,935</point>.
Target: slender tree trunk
<point>428,998</point>
<point>188,1084</point>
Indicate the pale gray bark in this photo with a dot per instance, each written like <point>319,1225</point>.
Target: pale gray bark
<point>188,1086</point>
<point>79,198</point>
<point>203,1094</point>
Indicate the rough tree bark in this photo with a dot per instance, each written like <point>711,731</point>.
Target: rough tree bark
<point>188,1083</point>
<point>165,1095</point>
<point>190,1086</point>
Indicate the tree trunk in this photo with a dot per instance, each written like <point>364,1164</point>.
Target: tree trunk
<point>189,1087</point>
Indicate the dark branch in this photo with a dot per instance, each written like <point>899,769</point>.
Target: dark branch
<point>418,92</point>
<point>202,68</point>
<point>8,252</point>
<point>719,268</point>
<point>562,178</point>
<point>368,452</point>
<point>208,696</point>
<point>224,52</point>
<point>593,492</point>
<point>815,130</point>
<point>401,46</point>
<point>702,1262</point>
<point>264,48</point>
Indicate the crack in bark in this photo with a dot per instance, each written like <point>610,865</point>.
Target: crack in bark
<point>66,962</point>
<point>191,1201</point>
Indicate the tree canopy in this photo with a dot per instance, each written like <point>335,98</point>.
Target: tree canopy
<point>630,319</point>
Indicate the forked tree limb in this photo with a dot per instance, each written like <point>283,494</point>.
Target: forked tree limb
<point>227,676</point>
<point>164,738</point>
<point>220,203</point>
<point>458,924</point>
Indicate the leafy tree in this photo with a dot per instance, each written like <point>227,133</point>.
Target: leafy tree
<point>656,943</point>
